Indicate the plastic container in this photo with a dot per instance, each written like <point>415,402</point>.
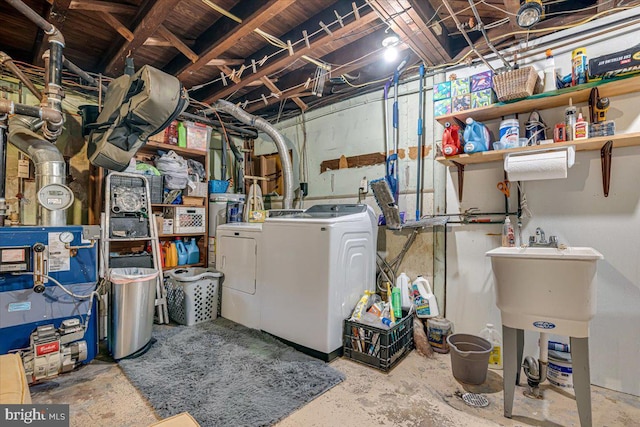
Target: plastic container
<point>581,128</point>
<point>438,329</point>
<point>569,120</point>
<point>508,235</point>
<point>189,220</point>
<point>192,295</point>
<point>549,72</point>
<point>182,135</point>
<point>493,336</point>
<point>560,369</point>
<point>469,358</point>
<point>132,302</point>
<point>404,284</point>
<point>451,144</point>
<point>378,347</point>
<point>171,254</point>
<point>396,302</point>
<point>218,186</point>
<point>579,66</point>
<point>476,136</point>
<point>183,255</point>
<point>424,299</point>
<point>193,252</point>
<point>510,132</point>
<point>171,134</point>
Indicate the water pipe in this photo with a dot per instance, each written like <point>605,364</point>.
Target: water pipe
<point>420,141</point>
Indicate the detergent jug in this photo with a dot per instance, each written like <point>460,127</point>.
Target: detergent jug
<point>404,284</point>
<point>476,137</point>
<point>424,299</point>
<point>451,144</point>
<point>193,252</point>
<point>171,257</point>
<point>182,251</point>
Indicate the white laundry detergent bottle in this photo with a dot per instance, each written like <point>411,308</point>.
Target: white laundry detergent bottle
<point>424,299</point>
<point>404,284</point>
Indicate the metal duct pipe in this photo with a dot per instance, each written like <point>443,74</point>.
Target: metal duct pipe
<point>3,168</point>
<point>261,124</point>
<point>49,165</point>
<point>6,60</point>
<point>486,38</point>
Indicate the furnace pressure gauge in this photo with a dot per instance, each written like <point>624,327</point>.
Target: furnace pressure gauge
<point>66,237</point>
<point>55,197</point>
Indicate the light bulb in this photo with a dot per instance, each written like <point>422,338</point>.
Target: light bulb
<point>390,54</point>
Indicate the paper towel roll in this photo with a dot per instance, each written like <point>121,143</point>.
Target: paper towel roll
<point>530,167</point>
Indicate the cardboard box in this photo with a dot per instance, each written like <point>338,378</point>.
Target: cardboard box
<point>200,190</point>
<point>193,201</point>
<point>165,225</point>
<point>198,136</point>
<point>482,98</point>
<point>442,107</point>
<point>482,81</point>
<point>615,64</point>
<point>461,103</point>
<point>460,86</point>
<point>442,91</point>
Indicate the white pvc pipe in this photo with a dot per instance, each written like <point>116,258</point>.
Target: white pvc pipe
<point>543,361</point>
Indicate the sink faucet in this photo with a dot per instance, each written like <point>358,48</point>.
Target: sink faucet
<point>539,240</point>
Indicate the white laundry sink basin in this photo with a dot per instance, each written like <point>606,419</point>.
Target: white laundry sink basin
<point>546,289</point>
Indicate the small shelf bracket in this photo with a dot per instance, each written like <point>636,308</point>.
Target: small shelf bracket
<point>605,159</point>
<point>460,168</point>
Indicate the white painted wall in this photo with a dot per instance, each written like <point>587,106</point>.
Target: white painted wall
<point>573,209</point>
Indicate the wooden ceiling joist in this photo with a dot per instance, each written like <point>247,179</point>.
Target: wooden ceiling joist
<point>148,26</point>
<point>340,37</point>
<point>225,61</point>
<point>117,25</point>
<point>177,43</point>
<point>103,6</point>
<point>220,37</point>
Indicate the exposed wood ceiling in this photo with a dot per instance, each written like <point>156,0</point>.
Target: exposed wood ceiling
<point>265,54</point>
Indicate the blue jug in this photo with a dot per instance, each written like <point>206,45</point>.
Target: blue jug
<point>476,136</point>
<point>193,252</point>
<point>182,252</point>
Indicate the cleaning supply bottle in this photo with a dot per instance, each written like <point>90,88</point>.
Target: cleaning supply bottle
<point>476,137</point>
<point>549,72</point>
<point>579,66</point>
<point>404,284</point>
<point>182,251</point>
<point>171,258</point>
<point>193,252</point>
<point>396,302</point>
<point>570,119</point>
<point>424,299</point>
<point>581,128</point>
<point>182,135</point>
<point>493,336</point>
<point>451,144</point>
<point>508,235</point>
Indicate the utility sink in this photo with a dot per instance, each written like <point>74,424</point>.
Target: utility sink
<point>546,289</point>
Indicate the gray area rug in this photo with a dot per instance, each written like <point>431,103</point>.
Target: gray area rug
<point>225,374</point>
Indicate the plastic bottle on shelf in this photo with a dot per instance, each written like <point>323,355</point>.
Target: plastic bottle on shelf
<point>581,128</point>
<point>508,235</point>
<point>396,302</point>
<point>193,252</point>
<point>171,257</point>
<point>549,72</point>
<point>403,282</point>
<point>493,336</point>
<point>171,135</point>
<point>182,251</point>
<point>182,135</point>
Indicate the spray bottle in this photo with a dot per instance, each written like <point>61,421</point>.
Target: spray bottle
<point>508,235</point>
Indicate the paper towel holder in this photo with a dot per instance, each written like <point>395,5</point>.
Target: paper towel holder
<point>570,150</point>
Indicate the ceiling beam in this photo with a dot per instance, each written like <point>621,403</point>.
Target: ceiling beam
<point>222,36</point>
<point>56,15</point>
<point>225,61</point>
<point>116,25</point>
<point>103,6</point>
<point>423,13</point>
<point>177,43</point>
<point>323,41</point>
<point>147,27</point>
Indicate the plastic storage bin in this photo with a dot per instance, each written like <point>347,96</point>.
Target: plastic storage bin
<point>377,347</point>
<point>189,220</point>
<point>192,295</point>
<point>132,302</point>
<point>218,186</point>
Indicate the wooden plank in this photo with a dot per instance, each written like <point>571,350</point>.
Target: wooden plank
<point>117,25</point>
<point>546,100</point>
<point>353,161</point>
<point>103,6</point>
<point>225,61</point>
<point>147,26</point>
<point>225,37</point>
<point>300,103</point>
<point>270,85</point>
<point>177,43</point>
<point>590,144</point>
<point>157,41</point>
<point>337,40</point>
<point>57,16</point>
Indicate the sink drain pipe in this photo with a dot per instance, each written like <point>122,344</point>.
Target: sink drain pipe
<point>536,371</point>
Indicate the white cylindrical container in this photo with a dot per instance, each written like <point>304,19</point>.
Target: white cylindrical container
<point>560,371</point>
<point>404,284</point>
<point>510,133</point>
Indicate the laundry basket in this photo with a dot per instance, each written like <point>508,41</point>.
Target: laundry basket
<point>192,295</point>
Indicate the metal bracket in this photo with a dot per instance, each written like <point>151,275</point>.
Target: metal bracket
<point>605,159</point>
<point>460,168</point>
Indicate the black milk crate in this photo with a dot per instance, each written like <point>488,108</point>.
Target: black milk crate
<point>377,347</point>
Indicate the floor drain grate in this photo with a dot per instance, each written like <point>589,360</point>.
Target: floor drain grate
<point>476,400</point>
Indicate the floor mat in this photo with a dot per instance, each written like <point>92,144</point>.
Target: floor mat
<point>223,373</point>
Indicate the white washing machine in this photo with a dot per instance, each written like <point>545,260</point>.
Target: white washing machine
<point>237,248</point>
<point>313,268</point>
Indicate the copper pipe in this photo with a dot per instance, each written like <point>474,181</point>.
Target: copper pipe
<point>6,60</point>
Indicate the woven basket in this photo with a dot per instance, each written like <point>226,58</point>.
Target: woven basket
<point>516,84</point>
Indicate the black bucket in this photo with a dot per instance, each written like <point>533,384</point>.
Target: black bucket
<point>89,114</point>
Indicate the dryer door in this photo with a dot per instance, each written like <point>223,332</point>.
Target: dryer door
<point>237,258</point>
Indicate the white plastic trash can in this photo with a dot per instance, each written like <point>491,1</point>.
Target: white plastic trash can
<point>192,295</point>
<point>132,302</point>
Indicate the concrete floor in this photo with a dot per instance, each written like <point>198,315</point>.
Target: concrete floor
<point>418,392</point>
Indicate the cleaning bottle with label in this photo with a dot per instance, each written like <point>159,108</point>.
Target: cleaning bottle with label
<point>451,144</point>
<point>193,252</point>
<point>182,251</point>
<point>508,235</point>
<point>182,135</point>
<point>493,336</point>
<point>476,137</point>
<point>404,284</point>
<point>424,299</point>
<point>171,258</point>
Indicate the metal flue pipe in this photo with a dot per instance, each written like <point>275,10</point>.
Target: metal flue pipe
<point>262,125</point>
